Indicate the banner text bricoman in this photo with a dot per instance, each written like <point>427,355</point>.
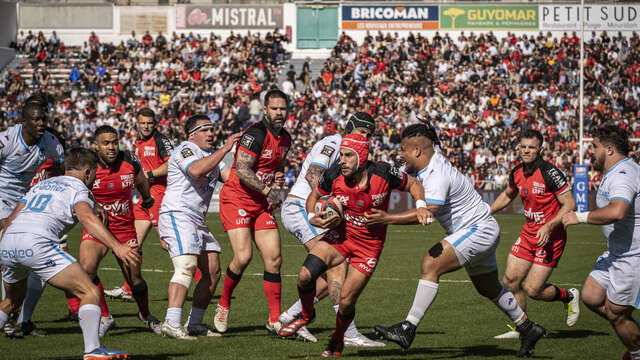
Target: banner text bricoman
<point>397,17</point>
<point>228,17</point>
<point>494,17</point>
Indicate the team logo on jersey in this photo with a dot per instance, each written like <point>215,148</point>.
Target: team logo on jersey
<point>327,151</point>
<point>241,212</point>
<point>247,140</point>
<point>267,154</point>
<point>186,152</point>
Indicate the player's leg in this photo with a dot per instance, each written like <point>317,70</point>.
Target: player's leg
<point>209,265</point>
<point>14,295</point>
<point>537,288</point>
<point>90,254</point>
<point>268,244</point>
<point>594,296</point>
<point>354,283</point>
<point>142,230</point>
<point>514,274</point>
<point>241,244</point>
<point>626,327</point>
<point>35,288</point>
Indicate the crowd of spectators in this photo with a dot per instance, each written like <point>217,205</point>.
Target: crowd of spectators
<point>477,89</point>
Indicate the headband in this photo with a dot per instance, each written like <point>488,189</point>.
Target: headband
<point>199,127</point>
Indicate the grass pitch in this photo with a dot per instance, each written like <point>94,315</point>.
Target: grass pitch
<point>460,324</point>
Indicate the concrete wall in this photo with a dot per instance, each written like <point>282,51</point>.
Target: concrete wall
<point>8,23</point>
<point>94,16</point>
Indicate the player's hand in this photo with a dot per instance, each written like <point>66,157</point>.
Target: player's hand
<point>278,180</point>
<point>376,217</point>
<point>543,235</point>
<point>425,217</point>
<point>232,140</point>
<point>148,202</point>
<point>569,218</point>
<point>273,199</point>
<point>3,223</point>
<point>127,254</point>
<point>323,222</point>
<point>164,245</point>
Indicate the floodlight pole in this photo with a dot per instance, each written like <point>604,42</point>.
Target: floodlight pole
<point>581,15</point>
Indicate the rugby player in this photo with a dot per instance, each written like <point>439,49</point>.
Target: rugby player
<point>361,186</point>
<point>612,289</point>
<point>193,173</point>
<point>153,149</point>
<point>23,149</point>
<point>30,245</point>
<point>118,172</point>
<point>294,218</point>
<point>546,197</point>
<point>247,200</point>
<point>472,237</point>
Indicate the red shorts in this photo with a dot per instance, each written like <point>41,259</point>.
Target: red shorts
<point>363,255</point>
<point>235,216</point>
<point>151,214</point>
<point>549,255</point>
<point>128,238</point>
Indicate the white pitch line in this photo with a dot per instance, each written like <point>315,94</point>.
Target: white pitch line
<point>295,275</point>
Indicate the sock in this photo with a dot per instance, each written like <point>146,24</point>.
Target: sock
<point>103,301</point>
<point>140,293</point>
<point>127,288</point>
<point>635,355</point>
<point>89,319</point>
<point>196,315</point>
<point>272,284</point>
<point>307,294</point>
<point>73,302</point>
<point>508,304</point>
<point>174,315</point>
<point>425,294</point>
<point>342,322</point>
<point>3,319</point>
<point>198,275</point>
<point>562,295</point>
<point>231,280</point>
<point>352,330</point>
<point>296,308</point>
<point>35,288</point>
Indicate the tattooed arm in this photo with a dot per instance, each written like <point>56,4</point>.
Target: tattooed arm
<point>314,174</point>
<point>249,178</point>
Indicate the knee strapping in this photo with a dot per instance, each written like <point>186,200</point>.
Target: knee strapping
<point>436,250</point>
<point>315,266</point>
<point>184,267</point>
<point>140,289</point>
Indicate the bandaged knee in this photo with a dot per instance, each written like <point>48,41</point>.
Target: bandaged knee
<point>184,267</point>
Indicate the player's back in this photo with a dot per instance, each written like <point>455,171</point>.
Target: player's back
<point>444,185</point>
<point>324,154</point>
<point>621,182</point>
<point>50,207</point>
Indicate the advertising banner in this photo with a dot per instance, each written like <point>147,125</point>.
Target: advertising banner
<point>596,17</point>
<point>581,187</point>
<point>397,17</point>
<point>228,17</point>
<point>490,17</point>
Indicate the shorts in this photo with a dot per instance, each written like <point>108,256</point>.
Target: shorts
<point>6,208</point>
<point>237,217</point>
<point>152,214</point>
<point>184,236</point>
<point>619,276</point>
<point>295,220</point>
<point>526,248</point>
<point>129,238</point>
<point>362,255</point>
<point>22,253</point>
<point>475,246</point>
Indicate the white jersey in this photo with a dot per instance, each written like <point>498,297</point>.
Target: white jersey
<point>19,162</point>
<point>185,194</point>
<point>50,207</point>
<point>444,185</point>
<point>622,182</point>
<point>324,154</point>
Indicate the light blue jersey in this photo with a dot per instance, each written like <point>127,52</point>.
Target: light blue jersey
<point>444,185</point>
<point>324,154</point>
<point>49,210</point>
<point>19,163</point>
<point>622,182</point>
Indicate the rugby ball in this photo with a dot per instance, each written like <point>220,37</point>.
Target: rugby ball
<point>330,205</point>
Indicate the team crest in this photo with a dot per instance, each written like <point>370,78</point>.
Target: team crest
<point>110,186</point>
<point>327,151</point>
<point>360,203</point>
<point>186,152</point>
<point>247,140</point>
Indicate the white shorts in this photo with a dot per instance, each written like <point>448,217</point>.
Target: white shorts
<point>184,236</point>
<point>6,208</point>
<point>23,253</point>
<point>476,246</point>
<point>295,220</point>
<point>619,276</point>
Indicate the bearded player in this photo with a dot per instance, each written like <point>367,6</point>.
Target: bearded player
<point>360,186</point>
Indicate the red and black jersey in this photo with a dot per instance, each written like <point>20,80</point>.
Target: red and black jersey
<point>44,172</point>
<point>539,191</point>
<point>356,201</point>
<point>112,190</point>
<point>259,141</point>
<point>152,153</point>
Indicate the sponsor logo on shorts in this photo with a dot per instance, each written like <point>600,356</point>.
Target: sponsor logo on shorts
<point>16,253</point>
<point>133,243</point>
<point>242,212</point>
<point>243,221</point>
<point>369,265</point>
<point>541,255</point>
<point>371,262</point>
